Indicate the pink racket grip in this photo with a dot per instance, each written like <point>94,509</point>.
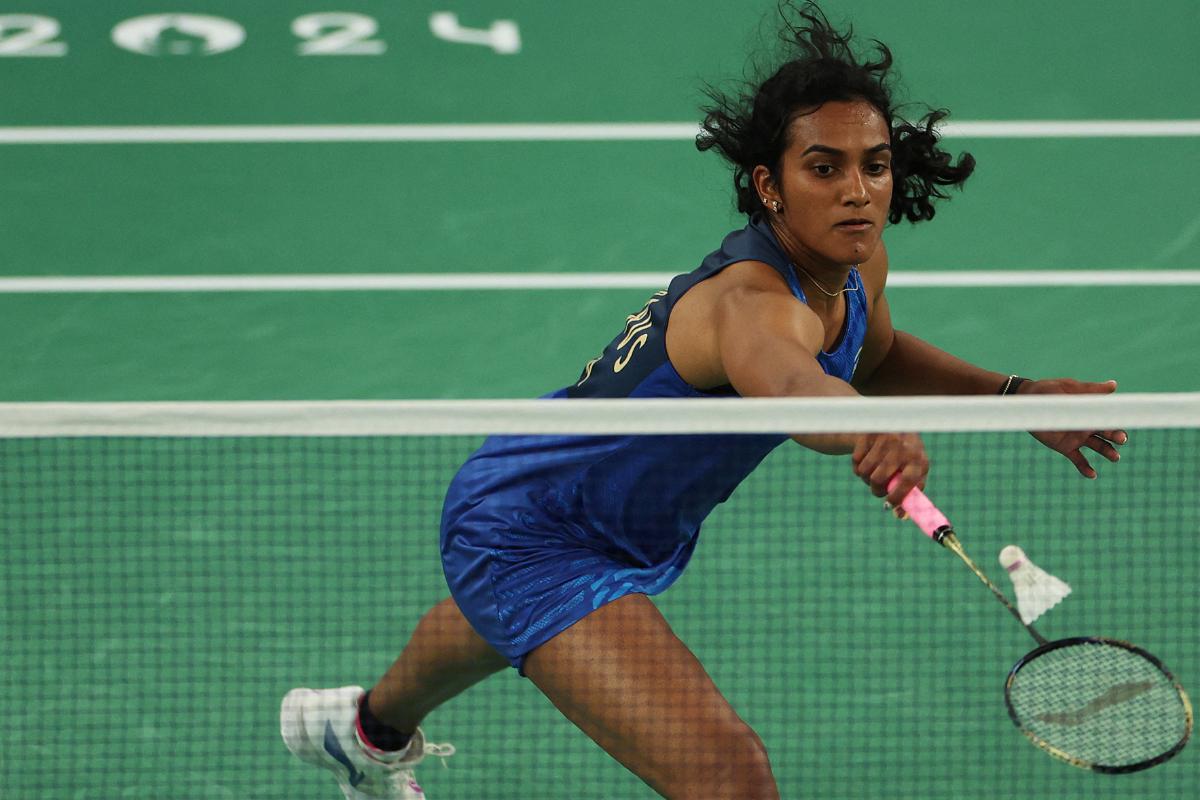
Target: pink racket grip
<point>924,513</point>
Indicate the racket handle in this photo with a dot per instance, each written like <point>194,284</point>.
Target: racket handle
<point>924,513</point>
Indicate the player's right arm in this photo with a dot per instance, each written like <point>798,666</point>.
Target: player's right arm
<point>744,328</point>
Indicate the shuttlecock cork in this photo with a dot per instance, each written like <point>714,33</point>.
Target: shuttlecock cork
<point>1037,590</point>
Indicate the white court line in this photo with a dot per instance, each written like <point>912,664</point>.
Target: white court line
<point>548,132</point>
<point>462,281</point>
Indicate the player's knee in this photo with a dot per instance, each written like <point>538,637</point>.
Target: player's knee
<point>742,770</point>
<point>751,768</point>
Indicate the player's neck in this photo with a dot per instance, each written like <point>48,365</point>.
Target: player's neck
<point>825,291</point>
<point>826,278</point>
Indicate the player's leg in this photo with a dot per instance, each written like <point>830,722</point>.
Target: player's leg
<point>444,657</point>
<point>627,681</point>
<point>325,727</point>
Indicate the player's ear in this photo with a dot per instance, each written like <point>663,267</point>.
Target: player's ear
<point>765,186</point>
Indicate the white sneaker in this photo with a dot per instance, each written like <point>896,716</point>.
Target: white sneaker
<point>320,726</point>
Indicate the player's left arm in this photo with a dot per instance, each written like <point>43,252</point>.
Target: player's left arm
<point>897,363</point>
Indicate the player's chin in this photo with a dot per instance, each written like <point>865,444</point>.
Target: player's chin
<point>855,252</point>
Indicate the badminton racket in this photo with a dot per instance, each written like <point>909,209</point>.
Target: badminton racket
<point>1093,702</point>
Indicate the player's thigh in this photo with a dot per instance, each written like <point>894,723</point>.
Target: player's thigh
<point>627,681</point>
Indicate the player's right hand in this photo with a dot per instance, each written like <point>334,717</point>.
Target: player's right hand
<point>877,457</point>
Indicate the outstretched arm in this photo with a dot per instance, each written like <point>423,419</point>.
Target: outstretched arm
<point>898,363</point>
<point>743,328</point>
<point>913,366</point>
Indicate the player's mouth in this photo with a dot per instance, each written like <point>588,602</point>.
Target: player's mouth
<point>855,225</point>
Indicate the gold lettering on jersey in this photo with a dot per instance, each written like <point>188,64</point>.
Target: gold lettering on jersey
<point>635,327</point>
<point>587,370</point>
<point>636,323</point>
<point>623,359</point>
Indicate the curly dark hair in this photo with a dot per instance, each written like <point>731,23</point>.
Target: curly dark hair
<point>751,127</point>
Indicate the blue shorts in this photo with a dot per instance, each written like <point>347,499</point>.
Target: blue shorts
<point>521,576</point>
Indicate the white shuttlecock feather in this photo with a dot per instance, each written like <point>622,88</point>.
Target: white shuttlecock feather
<point>1037,590</point>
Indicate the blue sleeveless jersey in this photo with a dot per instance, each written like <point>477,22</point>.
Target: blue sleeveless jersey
<point>634,502</point>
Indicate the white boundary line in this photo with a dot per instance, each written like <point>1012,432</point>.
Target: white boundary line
<point>464,281</point>
<point>547,132</point>
<point>336,283</point>
<point>659,416</point>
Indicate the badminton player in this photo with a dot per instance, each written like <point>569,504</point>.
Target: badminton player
<point>553,545</point>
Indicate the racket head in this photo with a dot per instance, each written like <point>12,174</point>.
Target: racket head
<point>1100,704</point>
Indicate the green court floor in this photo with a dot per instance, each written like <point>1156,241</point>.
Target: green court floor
<point>167,630</point>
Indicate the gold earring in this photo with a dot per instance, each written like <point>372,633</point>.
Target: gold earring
<point>775,206</point>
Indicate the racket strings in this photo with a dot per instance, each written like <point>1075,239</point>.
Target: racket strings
<point>1099,703</point>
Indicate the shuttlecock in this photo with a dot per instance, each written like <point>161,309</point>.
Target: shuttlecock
<point>1037,590</point>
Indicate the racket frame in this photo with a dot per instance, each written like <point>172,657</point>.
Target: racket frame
<point>1075,761</point>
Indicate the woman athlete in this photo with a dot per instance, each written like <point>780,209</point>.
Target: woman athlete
<point>552,545</point>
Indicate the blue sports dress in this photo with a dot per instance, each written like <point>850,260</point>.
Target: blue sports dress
<point>539,531</point>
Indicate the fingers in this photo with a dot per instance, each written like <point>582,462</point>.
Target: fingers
<point>1072,386</point>
<point>1107,387</point>
<point>1081,463</point>
<point>1099,443</point>
<point>867,458</point>
<point>1070,443</point>
<point>897,511</point>
<point>878,458</point>
<point>1089,387</point>
<point>910,477</point>
<point>861,448</point>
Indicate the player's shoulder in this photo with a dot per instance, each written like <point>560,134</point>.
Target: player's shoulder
<point>748,275</point>
<point>737,293</point>
<point>733,291</point>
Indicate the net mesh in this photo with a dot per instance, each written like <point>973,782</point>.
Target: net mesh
<point>162,592</point>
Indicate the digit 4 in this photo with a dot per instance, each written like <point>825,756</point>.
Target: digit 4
<point>503,36</point>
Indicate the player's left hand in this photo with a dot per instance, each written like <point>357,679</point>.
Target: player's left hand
<point>1071,443</point>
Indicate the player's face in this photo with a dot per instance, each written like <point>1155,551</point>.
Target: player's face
<point>835,183</point>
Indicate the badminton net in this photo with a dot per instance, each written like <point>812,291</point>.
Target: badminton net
<point>171,570</point>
